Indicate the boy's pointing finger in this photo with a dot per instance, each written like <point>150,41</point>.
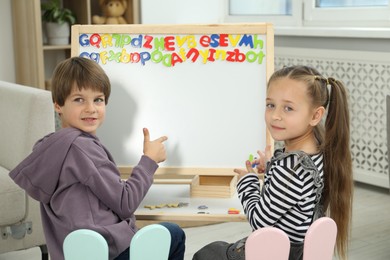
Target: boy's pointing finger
<point>162,139</point>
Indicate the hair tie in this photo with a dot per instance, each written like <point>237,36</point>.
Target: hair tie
<point>327,80</point>
<point>328,86</point>
<point>316,77</point>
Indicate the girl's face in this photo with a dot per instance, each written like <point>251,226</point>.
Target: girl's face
<point>289,114</point>
<point>83,109</point>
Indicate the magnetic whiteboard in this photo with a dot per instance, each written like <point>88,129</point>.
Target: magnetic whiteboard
<point>203,86</point>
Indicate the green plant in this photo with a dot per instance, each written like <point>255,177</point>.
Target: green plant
<point>54,13</point>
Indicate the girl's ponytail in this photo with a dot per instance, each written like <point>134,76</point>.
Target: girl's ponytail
<point>338,190</point>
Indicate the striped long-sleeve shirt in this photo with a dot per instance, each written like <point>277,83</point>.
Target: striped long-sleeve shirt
<point>289,193</point>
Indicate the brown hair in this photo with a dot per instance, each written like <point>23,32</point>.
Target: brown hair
<point>333,140</point>
<point>81,72</point>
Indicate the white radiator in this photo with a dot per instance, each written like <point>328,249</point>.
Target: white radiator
<point>367,78</point>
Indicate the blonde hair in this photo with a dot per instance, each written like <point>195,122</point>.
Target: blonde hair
<point>333,139</point>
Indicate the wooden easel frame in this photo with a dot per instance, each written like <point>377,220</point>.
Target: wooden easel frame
<point>255,28</point>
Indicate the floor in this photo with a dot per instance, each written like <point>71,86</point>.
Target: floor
<point>370,238</point>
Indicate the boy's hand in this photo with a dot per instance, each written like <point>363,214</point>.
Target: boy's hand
<point>155,150</point>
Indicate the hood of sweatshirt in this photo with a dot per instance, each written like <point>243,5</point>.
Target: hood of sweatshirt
<point>39,173</point>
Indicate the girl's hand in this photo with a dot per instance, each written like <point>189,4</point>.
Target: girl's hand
<point>155,150</point>
<point>264,157</point>
<point>242,172</point>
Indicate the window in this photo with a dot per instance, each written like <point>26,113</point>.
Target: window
<point>347,13</point>
<point>350,3</point>
<point>325,13</point>
<point>280,12</point>
<point>260,7</point>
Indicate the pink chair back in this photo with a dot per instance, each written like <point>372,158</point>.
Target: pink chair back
<point>267,243</point>
<point>320,240</point>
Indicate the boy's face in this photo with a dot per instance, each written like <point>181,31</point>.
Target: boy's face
<point>83,109</point>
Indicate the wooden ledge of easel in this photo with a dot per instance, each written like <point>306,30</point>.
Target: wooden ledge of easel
<point>193,222</point>
<point>206,218</point>
<point>180,175</point>
<point>173,179</point>
<point>204,182</point>
<point>125,171</point>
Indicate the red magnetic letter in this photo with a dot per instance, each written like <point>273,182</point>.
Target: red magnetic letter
<point>223,40</point>
<point>204,41</point>
<point>95,40</point>
<point>169,43</point>
<point>148,40</point>
<point>176,58</point>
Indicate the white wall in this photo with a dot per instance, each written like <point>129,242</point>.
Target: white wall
<point>181,11</point>
<point>7,61</point>
<point>212,11</point>
<point>362,62</point>
<point>187,11</point>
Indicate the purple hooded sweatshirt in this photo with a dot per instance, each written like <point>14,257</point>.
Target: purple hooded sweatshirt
<point>79,186</point>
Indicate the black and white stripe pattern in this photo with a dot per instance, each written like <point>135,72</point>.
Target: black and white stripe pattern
<point>288,199</point>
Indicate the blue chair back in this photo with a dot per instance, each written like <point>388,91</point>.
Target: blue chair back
<point>151,242</point>
<point>84,244</point>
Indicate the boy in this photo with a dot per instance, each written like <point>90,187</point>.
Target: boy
<point>75,177</point>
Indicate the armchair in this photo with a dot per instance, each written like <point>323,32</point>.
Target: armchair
<point>26,115</point>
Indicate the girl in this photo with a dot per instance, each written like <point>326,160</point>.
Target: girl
<point>311,175</point>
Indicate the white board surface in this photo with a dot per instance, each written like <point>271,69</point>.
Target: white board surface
<point>211,110</point>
